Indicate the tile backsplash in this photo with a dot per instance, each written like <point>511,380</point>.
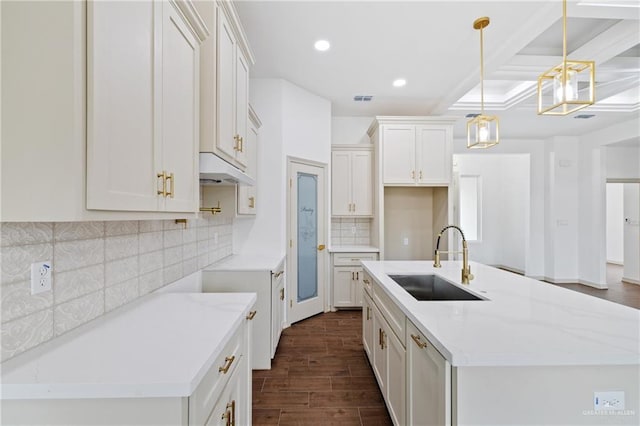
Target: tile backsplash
<point>342,231</point>
<point>97,267</point>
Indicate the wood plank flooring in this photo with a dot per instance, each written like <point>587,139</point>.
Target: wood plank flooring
<point>320,376</point>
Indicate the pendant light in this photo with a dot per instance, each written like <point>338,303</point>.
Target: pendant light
<point>558,89</point>
<point>482,130</point>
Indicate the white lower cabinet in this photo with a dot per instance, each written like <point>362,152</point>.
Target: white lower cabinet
<point>428,382</point>
<point>389,366</point>
<point>268,284</point>
<point>348,278</point>
<point>367,323</point>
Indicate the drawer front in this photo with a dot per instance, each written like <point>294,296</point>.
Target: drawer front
<point>367,283</point>
<point>352,259</point>
<point>201,402</point>
<point>391,312</point>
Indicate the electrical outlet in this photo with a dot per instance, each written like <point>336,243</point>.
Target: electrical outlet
<point>607,401</point>
<point>40,277</point>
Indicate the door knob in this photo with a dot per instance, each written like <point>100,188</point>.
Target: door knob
<point>321,247</point>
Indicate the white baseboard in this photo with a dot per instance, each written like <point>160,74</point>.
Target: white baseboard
<point>630,281</point>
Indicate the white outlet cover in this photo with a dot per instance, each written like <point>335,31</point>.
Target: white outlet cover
<point>41,276</point>
<point>405,241</point>
<point>607,401</point>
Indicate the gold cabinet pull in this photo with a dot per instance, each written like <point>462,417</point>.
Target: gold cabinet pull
<point>413,174</point>
<point>366,281</point>
<point>353,276</point>
<point>241,144</point>
<point>163,176</point>
<point>277,274</point>
<point>171,186</point>
<point>380,337</point>
<point>282,294</point>
<point>321,247</point>
<point>418,341</point>
<point>252,202</point>
<point>236,145</point>
<point>227,364</point>
<point>227,417</point>
<point>384,340</point>
<point>420,174</point>
<point>232,406</point>
<point>357,276</point>
<point>354,207</point>
<point>368,313</point>
<point>251,315</point>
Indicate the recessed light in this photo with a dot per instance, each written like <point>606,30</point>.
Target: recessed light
<point>399,82</point>
<point>322,45</point>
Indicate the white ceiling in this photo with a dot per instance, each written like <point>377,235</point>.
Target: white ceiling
<point>433,45</point>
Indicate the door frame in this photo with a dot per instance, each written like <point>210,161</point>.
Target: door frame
<point>323,256</point>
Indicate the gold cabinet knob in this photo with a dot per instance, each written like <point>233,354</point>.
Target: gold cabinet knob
<point>321,247</point>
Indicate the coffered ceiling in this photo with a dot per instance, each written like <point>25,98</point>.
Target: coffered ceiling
<point>433,45</point>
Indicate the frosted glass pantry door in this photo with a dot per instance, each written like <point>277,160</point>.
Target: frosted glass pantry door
<point>306,246</point>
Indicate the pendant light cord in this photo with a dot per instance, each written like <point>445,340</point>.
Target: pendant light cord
<point>481,71</point>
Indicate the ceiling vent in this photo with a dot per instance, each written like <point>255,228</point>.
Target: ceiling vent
<point>362,98</point>
<point>584,116</point>
<point>472,115</point>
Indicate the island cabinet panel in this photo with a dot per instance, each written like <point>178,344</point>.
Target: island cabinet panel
<point>367,324</point>
<point>428,382</point>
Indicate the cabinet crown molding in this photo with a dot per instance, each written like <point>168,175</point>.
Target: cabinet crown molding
<point>381,120</point>
<point>232,14</point>
<point>352,147</point>
<point>192,16</point>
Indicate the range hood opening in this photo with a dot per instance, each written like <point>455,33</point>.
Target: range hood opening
<point>215,171</point>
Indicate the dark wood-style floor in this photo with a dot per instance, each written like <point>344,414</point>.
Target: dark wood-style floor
<point>618,291</point>
<point>320,376</point>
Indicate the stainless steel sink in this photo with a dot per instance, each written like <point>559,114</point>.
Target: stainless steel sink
<point>431,287</point>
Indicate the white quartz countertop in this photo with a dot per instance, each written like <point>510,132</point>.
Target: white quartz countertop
<point>524,322</point>
<point>159,346</point>
<point>353,249</point>
<point>248,262</point>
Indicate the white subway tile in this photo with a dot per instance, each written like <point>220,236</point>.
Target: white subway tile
<point>151,262</point>
<point>76,312</point>
<point>172,256</point>
<point>203,260</point>
<point>150,225</point>
<point>127,227</point>
<point>189,266</point>
<point>189,251</point>
<point>120,294</point>
<point>203,247</point>
<point>17,300</point>
<point>172,273</point>
<point>151,281</point>
<point>79,282</point>
<point>150,241</point>
<point>15,261</point>
<point>121,246</point>
<point>19,233</point>
<point>172,238</point>
<point>26,332</point>
<point>77,254</point>
<point>69,231</point>
<point>189,235</point>
<point>121,270</point>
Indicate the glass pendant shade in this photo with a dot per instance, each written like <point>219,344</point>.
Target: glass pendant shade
<point>562,94</point>
<point>567,87</point>
<point>483,131</point>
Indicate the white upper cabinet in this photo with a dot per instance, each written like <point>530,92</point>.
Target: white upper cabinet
<point>416,151</point>
<point>224,78</point>
<point>115,106</point>
<point>352,180</point>
<point>142,108</point>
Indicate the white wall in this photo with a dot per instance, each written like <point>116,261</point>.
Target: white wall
<point>505,207</point>
<point>623,162</point>
<point>631,271</point>
<point>294,123</point>
<point>350,130</point>
<point>615,221</point>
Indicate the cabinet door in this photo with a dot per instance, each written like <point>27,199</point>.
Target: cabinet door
<point>434,155</point>
<point>428,382</point>
<point>247,193</point>
<point>395,389</point>
<point>362,183</point>
<point>122,152</point>
<point>230,405</point>
<point>357,288</point>
<point>379,352</point>
<point>342,286</point>
<point>226,59</point>
<point>242,107</point>
<point>367,326</point>
<point>341,183</point>
<point>277,307</point>
<point>399,143</point>
<point>180,103</point>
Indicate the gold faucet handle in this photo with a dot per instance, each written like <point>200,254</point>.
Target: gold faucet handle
<point>436,261</point>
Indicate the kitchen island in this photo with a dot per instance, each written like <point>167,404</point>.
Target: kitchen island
<point>528,352</point>
<point>175,358</point>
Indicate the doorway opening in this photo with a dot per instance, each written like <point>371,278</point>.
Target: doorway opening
<point>622,231</point>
